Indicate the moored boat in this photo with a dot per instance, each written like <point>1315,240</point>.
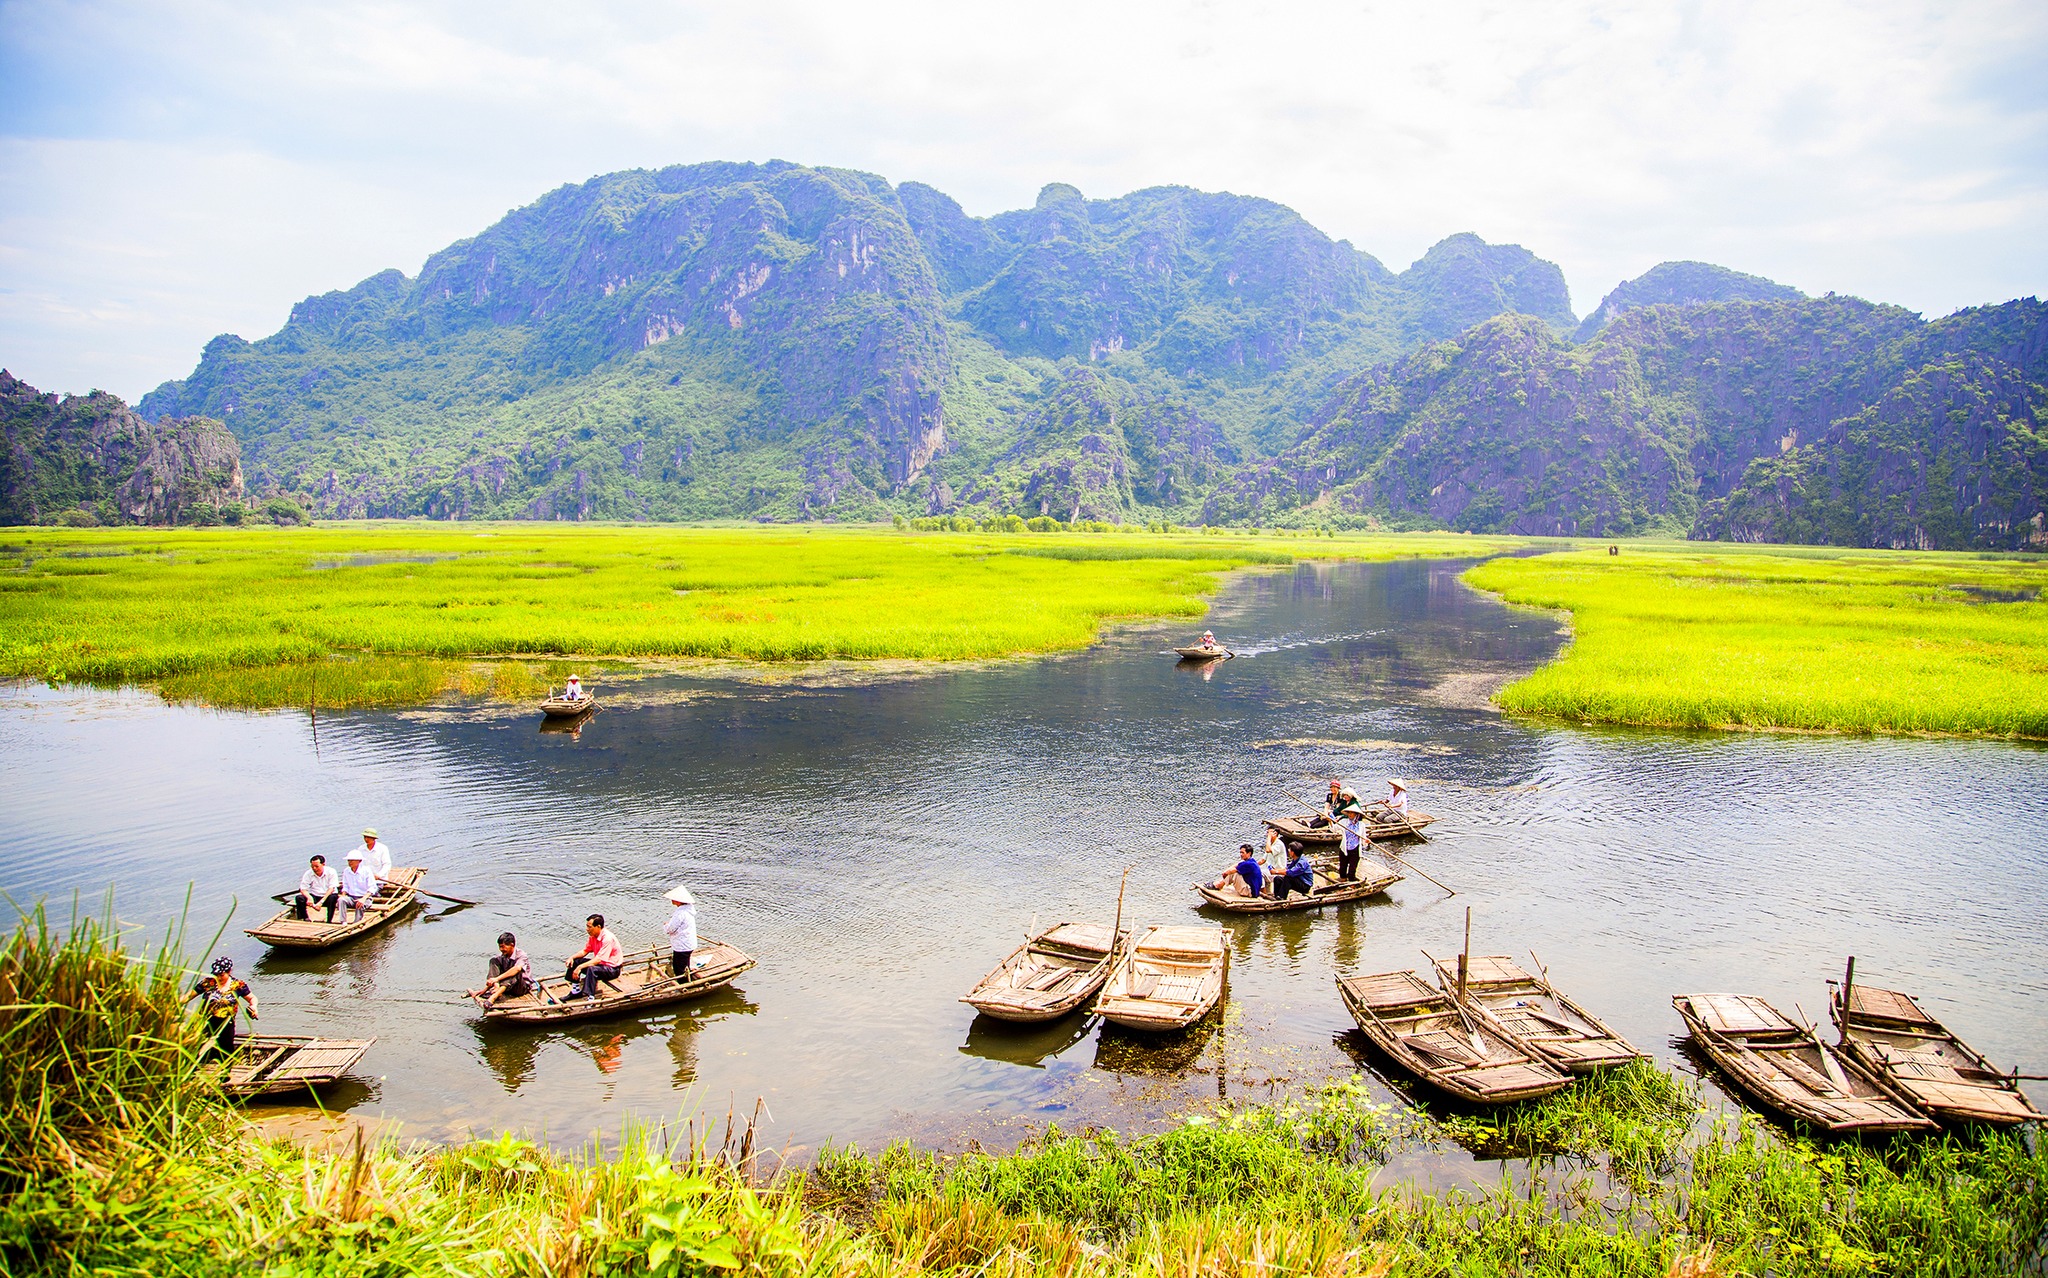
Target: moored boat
<point>1785,1067</point>
<point>644,982</point>
<point>1920,1061</point>
<point>1328,890</point>
<point>1171,978</point>
<point>1048,976</point>
<point>395,899</point>
<point>278,1064</point>
<point>1541,1019</point>
<point>1460,1050</point>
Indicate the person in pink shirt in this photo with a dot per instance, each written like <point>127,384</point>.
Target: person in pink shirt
<point>599,960</point>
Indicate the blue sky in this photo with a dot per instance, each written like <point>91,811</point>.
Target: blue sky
<point>178,171</point>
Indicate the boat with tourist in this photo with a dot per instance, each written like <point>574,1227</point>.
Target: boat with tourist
<point>1171,978</point>
<point>396,897</point>
<point>1539,1018</point>
<point>1786,1068</point>
<point>280,1064</point>
<point>644,982</point>
<point>1920,1061</point>
<point>1048,976</point>
<point>1459,1049</point>
<point>1328,890</point>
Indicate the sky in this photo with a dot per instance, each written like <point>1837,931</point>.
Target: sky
<point>176,171</point>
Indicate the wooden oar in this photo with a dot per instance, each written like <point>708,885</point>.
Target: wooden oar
<point>453,900</point>
<point>1383,851</point>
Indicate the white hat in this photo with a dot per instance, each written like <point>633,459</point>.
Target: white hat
<point>1397,783</point>
<point>681,895</point>
<point>355,854</point>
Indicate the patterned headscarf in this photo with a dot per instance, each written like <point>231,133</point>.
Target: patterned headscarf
<point>222,966</point>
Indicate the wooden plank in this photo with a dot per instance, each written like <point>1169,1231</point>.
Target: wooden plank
<point>1738,1013</point>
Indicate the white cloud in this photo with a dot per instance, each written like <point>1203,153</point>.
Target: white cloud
<point>175,173</point>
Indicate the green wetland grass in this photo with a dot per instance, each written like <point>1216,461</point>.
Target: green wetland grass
<point>119,1161</point>
<point>1788,638</point>
<point>397,613</point>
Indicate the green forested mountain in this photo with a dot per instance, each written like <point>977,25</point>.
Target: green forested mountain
<point>90,459</point>
<point>773,341</point>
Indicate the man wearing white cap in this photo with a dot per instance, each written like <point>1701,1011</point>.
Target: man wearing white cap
<point>376,855</point>
<point>682,930</point>
<point>358,884</point>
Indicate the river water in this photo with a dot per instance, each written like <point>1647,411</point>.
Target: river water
<point>879,844</point>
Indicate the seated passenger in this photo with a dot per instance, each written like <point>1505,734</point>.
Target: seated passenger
<point>1246,878</point>
<point>1394,807</point>
<point>511,973</point>
<point>317,886</point>
<point>358,885</point>
<point>1208,638</point>
<point>1300,876</point>
<point>598,960</point>
<point>573,690</point>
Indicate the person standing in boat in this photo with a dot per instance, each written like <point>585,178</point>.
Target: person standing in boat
<point>1299,877</point>
<point>376,855</point>
<point>1351,821</point>
<point>598,961</point>
<point>510,973</point>
<point>358,885</point>
<point>219,993</point>
<point>317,886</point>
<point>681,929</point>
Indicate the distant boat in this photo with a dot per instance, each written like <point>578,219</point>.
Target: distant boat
<point>1204,652</point>
<point>1785,1067</point>
<point>1921,1062</point>
<point>395,899</point>
<point>1170,979</point>
<point>1048,976</point>
<point>559,707</point>
<point>1540,1018</point>
<point>1460,1050</point>
<point>644,982</point>
<point>1329,890</point>
<point>276,1065</point>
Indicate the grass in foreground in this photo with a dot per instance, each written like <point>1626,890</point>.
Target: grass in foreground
<point>95,1046</point>
<point>1725,636</point>
<point>407,605</point>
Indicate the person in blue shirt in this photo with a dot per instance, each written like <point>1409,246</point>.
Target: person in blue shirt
<point>1246,878</point>
<point>1299,877</point>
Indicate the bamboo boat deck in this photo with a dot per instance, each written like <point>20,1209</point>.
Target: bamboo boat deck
<point>1787,1068</point>
<point>1329,890</point>
<point>396,898</point>
<point>643,982</point>
<point>273,1064</point>
<point>1170,979</point>
<point>1462,1052</point>
<point>1540,1018</point>
<point>1889,1035</point>
<point>1048,976</point>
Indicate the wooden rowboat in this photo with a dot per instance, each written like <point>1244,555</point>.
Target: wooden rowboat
<point>276,1064</point>
<point>644,982</point>
<point>1461,1051</point>
<point>1049,975</point>
<point>1329,890</point>
<point>1785,1067</point>
<point>1200,653</point>
<point>395,899</point>
<point>1170,979</point>
<point>1542,1020</point>
<point>563,708</point>
<point>1922,1063</point>
<point>1300,831</point>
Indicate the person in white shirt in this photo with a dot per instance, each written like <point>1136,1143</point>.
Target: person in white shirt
<point>1397,798</point>
<point>573,690</point>
<point>377,855</point>
<point>358,885</point>
<point>682,931</point>
<point>317,886</point>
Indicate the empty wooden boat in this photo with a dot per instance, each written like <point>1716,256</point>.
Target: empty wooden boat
<point>1888,1034</point>
<point>1200,652</point>
<point>1785,1067</point>
<point>1461,1051</point>
<point>1538,1017</point>
<point>395,899</point>
<point>276,1064</point>
<point>1170,979</point>
<point>1048,976</point>
<point>1329,890</point>
<point>1307,831</point>
<point>644,982</point>
<point>563,708</point>
<point>1401,825</point>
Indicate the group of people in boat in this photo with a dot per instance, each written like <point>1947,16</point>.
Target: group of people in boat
<point>1285,868</point>
<point>509,972</point>
<point>352,888</point>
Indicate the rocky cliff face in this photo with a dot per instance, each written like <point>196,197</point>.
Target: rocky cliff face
<point>1680,284</point>
<point>91,457</point>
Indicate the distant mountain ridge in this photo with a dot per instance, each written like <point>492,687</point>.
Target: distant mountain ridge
<point>774,341</point>
<point>90,459</point>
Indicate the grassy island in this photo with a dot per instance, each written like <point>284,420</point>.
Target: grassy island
<point>116,1159</point>
<point>1779,637</point>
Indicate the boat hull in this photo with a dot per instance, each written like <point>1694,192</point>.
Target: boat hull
<point>1328,892</point>
<point>644,984</point>
<point>1783,1067</point>
<point>277,1065</point>
<point>1923,1064</point>
<point>400,898</point>
<point>1467,1056</point>
<point>1168,980</point>
<point>1050,976</point>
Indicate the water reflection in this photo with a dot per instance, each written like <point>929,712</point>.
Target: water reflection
<point>1027,1045</point>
